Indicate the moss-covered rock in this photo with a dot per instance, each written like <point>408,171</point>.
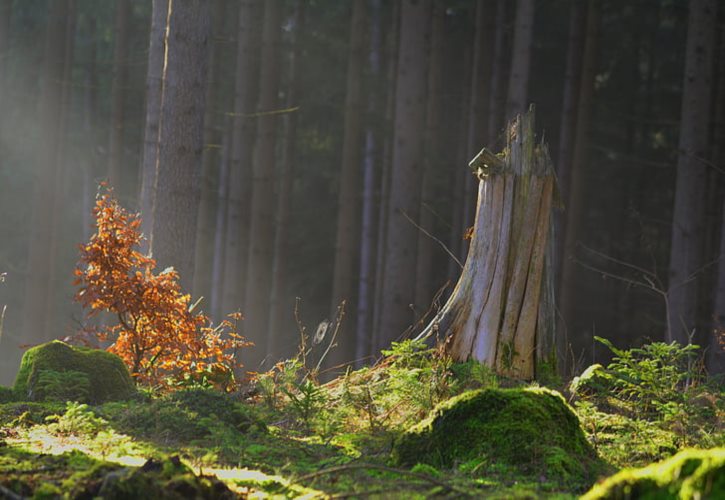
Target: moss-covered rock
<point>691,474</point>
<point>7,395</point>
<point>58,371</point>
<point>531,429</point>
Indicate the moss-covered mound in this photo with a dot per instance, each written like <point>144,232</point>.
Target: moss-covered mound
<point>58,371</point>
<point>691,474</point>
<point>533,430</point>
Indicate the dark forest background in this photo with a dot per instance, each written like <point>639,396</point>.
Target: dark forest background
<point>336,137</point>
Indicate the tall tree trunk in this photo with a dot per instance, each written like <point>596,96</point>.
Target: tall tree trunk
<point>261,234</point>
<point>280,316</point>
<point>246,91</point>
<point>499,76</point>
<point>348,233</point>
<point>567,132</point>
<point>154,80</point>
<point>119,82</point>
<point>715,360</point>
<point>210,157</point>
<point>371,155</point>
<point>433,161</point>
<point>574,198</point>
<point>218,277</point>
<point>392,42</point>
<point>516,101</point>
<point>90,121</point>
<point>41,227</point>
<point>493,314</point>
<point>687,220</point>
<point>6,11</point>
<point>480,89</point>
<point>61,176</point>
<point>181,130</point>
<point>402,239</point>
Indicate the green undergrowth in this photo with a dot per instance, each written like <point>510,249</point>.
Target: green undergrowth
<point>291,436</point>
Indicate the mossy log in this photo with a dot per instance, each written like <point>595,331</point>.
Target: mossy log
<point>493,314</point>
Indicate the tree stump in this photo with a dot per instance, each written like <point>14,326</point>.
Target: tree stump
<point>496,308</point>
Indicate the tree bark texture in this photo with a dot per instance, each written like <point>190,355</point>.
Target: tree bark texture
<point>348,202</point>
<point>687,220</point>
<point>492,315</point>
<point>154,80</point>
<point>402,236</point>
<point>119,82</point>
<point>181,130</point>
<point>238,203</point>
<point>261,235</point>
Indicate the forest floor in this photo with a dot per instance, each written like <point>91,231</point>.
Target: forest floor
<point>292,437</point>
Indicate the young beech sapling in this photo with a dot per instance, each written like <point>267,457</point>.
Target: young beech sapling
<point>161,338</point>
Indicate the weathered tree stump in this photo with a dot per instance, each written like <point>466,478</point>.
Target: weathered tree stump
<point>493,314</point>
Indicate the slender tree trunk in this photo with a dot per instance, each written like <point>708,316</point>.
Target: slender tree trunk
<point>210,158</point>
<point>392,43</point>
<point>402,239</point>
<point>574,198</point>
<point>280,317</point>
<point>246,91</point>
<point>433,161</point>
<point>41,227</point>
<point>218,277</point>
<point>181,137</point>
<point>61,175</point>
<point>517,96</point>
<point>686,247</point>
<point>480,89</point>
<point>119,82</point>
<point>371,155</point>
<point>493,314</point>
<point>6,11</point>
<point>499,76</point>
<point>567,133</point>
<point>90,120</point>
<point>348,233</point>
<point>715,360</point>
<point>261,234</point>
<point>154,80</point>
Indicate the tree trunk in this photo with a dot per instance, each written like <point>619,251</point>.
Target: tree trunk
<point>392,42</point>
<point>516,101</point>
<point>479,105</point>
<point>154,80</point>
<point>261,234</point>
<point>181,130</point>
<point>567,133</point>
<point>498,73</point>
<point>687,221</point>
<point>210,157</point>
<point>6,10</point>
<point>119,82</point>
<point>218,277</point>
<point>433,161</point>
<point>574,198</point>
<point>348,233</point>
<point>402,239</point>
<point>371,155</point>
<point>492,315</point>
<point>280,317</point>
<point>246,91</point>
<point>41,226</point>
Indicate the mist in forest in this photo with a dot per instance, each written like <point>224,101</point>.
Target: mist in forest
<point>309,152</point>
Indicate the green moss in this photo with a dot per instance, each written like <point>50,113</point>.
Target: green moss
<point>691,474</point>
<point>7,394</point>
<point>533,430</point>
<point>108,376</point>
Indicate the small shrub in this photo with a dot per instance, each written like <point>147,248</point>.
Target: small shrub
<point>78,420</point>
<point>69,385</point>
